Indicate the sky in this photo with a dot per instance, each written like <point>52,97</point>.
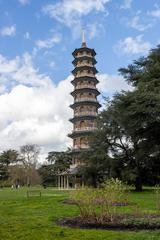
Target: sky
<point>37,38</point>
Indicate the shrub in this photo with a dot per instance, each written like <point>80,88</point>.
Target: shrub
<point>100,204</point>
<point>85,200</point>
<point>157,197</point>
<point>113,192</point>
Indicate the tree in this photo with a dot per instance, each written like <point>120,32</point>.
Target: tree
<point>97,164</point>
<point>29,158</point>
<point>141,117</point>
<point>60,160</point>
<point>7,158</point>
<point>47,174</point>
<point>129,126</point>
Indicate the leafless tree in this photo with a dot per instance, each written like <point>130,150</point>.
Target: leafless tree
<point>29,157</point>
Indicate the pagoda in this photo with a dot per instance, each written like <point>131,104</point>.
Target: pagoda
<point>85,108</point>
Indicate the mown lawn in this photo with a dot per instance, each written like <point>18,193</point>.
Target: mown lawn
<point>34,218</point>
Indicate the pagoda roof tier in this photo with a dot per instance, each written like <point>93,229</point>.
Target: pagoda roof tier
<point>82,49</point>
<point>85,102</point>
<point>81,68</point>
<point>84,117</point>
<point>77,151</point>
<point>84,78</point>
<point>84,90</point>
<point>81,58</point>
<point>81,133</point>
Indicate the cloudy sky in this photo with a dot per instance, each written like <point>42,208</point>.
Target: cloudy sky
<point>37,38</point>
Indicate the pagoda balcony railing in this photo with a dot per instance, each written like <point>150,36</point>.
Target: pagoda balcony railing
<point>84,129</point>
<point>84,75</point>
<point>85,86</point>
<point>85,99</point>
<point>83,64</point>
<point>84,54</point>
<point>82,146</point>
<point>85,113</point>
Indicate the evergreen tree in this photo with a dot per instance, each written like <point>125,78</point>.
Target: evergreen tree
<point>129,127</point>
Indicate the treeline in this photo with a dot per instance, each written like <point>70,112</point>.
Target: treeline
<point>23,168</point>
<point>19,168</point>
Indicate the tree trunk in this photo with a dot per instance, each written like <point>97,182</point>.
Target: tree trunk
<point>138,184</point>
<point>94,181</point>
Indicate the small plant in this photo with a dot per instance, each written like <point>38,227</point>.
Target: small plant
<point>101,204</point>
<point>85,200</point>
<point>157,197</point>
<point>113,192</point>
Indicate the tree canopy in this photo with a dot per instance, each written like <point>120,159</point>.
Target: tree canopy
<point>128,134</point>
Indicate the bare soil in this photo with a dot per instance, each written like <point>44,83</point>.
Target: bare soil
<point>78,222</point>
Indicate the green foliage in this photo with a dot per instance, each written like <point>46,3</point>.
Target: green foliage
<point>60,160</point>
<point>85,200</point>
<point>108,196</point>
<point>157,197</point>
<point>128,128</point>
<point>6,158</point>
<point>113,191</point>
<point>47,175</point>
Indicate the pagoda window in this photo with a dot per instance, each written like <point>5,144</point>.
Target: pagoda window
<point>82,124</point>
<point>81,141</point>
<point>81,108</point>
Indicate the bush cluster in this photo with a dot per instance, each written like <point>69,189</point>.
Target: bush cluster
<point>101,204</point>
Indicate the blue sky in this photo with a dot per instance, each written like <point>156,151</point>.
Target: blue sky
<point>104,29</point>
<point>37,38</point>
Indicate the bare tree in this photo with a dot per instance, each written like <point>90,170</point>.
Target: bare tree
<point>29,158</point>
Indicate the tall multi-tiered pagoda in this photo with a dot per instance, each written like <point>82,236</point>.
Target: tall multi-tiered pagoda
<point>85,107</point>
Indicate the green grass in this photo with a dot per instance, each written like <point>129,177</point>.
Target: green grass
<point>34,218</point>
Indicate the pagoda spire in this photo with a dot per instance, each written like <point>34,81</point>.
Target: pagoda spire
<point>83,39</point>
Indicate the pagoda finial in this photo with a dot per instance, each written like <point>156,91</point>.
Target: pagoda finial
<point>83,39</point>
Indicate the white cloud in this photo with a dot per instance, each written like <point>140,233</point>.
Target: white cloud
<point>155,13</point>
<point>24,2</point>
<point>21,71</point>
<point>70,12</point>
<point>2,88</point>
<point>8,31</point>
<point>132,45</point>
<point>94,30</point>
<point>48,43</point>
<point>109,84</point>
<point>135,23</point>
<point>33,109</point>
<point>27,35</point>
<point>126,4</point>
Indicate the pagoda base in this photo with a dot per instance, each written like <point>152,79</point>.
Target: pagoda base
<point>69,181</point>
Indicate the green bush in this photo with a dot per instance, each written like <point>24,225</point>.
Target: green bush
<point>113,192</point>
<point>85,200</point>
<point>100,205</point>
<point>157,197</point>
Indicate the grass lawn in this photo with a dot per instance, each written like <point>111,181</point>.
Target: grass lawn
<point>34,218</point>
